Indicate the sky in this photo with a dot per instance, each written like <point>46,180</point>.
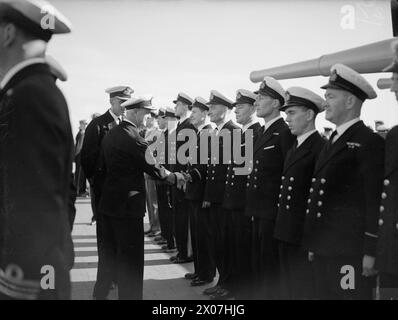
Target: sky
<point>163,47</point>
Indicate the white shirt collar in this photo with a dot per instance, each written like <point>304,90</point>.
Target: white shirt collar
<point>18,67</point>
<point>271,122</point>
<point>221,126</point>
<point>344,127</point>
<point>303,137</point>
<point>183,119</point>
<point>115,117</point>
<point>200,128</point>
<point>248,125</point>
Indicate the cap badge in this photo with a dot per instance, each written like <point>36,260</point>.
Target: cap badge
<point>333,76</point>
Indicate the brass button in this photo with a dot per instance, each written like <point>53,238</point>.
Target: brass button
<point>309,201</point>
<point>290,188</point>
<point>320,204</point>
<point>311,190</point>
<point>396,226</point>
<point>232,184</point>
<point>291,179</point>
<point>381,209</point>
<point>384,195</point>
<point>381,222</point>
<point>319,215</point>
<point>248,185</point>
<point>386,182</point>
<point>321,192</point>
<point>280,196</point>
<point>323,181</point>
<point>283,178</point>
<point>289,197</point>
<point>308,212</point>
<point>281,187</point>
<point>287,207</point>
<point>313,180</point>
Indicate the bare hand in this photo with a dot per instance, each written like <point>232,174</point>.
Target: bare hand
<point>368,266</point>
<point>311,256</point>
<point>206,204</point>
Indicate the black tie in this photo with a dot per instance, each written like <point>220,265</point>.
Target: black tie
<point>295,146</point>
<point>330,142</point>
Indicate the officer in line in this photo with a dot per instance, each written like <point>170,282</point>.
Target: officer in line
<point>122,204</point>
<point>263,186</point>
<point>92,166</point>
<point>35,169</point>
<point>204,266</point>
<point>220,108</point>
<point>387,253</point>
<point>301,108</point>
<point>183,106</point>
<point>238,225</point>
<point>343,207</point>
<point>166,118</point>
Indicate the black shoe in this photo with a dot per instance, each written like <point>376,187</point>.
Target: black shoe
<point>159,238</point>
<point>173,258</point>
<point>181,260</point>
<point>198,283</point>
<point>221,294</point>
<point>212,290</point>
<point>191,276</point>
<point>148,232</point>
<point>160,243</point>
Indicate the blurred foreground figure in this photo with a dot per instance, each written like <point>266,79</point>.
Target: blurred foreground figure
<point>36,250</point>
<point>387,258</point>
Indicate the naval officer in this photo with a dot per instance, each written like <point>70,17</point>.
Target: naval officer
<point>387,253</point>
<point>93,168</point>
<point>36,149</point>
<point>220,108</point>
<point>301,108</point>
<point>263,185</point>
<point>343,207</point>
<point>238,225</point>
<point>122,205</point>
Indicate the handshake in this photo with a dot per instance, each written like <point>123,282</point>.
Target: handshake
<point>182,178</point>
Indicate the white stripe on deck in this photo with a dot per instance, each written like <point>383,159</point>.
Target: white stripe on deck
<point>159,272</point>
<point>148,257</point>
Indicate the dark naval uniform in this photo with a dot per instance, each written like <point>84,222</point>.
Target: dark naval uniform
<point>123,206</point>
<point>204,263</point>
<point>262,193</point>
<point>295,188</point>
<point>239,226</point>
<point>214,193</point>
<point>180,204</point>
<point>36,151</point>
<point>90,154</point>
<point>164,194</point>
<point>387,255</point>
<point>343,210</point>
<point>94,170</point>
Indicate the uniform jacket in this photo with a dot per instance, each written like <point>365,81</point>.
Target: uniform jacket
<point>295,188</point>
<point>264,182</point>
<point>177,194</point>
<point>91,150</point>
<point>343,207</point>
<point>216,173</point>
<point>123,193</point>
<point>36,152</point>
<point>387,258</point>
<point>195,189</point>
<point>235,185</point>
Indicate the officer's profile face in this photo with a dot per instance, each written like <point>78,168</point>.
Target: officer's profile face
<point>197,116</point>
<point>244,112</point>
<point>116,105</point>
<point>217,113</point>
<point>162,122</point>
<point>298,119</point>
<point>335,106</point>
<point>265,105</point>
<point>181,108</point>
